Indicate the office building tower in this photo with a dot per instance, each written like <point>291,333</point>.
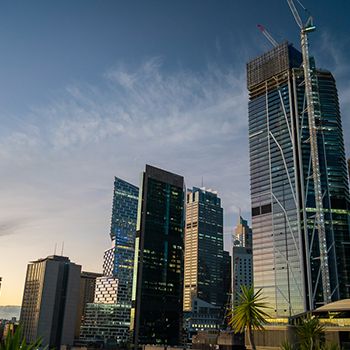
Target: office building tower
<point>203,268</point>
<point>242,262</point>
<point>286,246</point>
<point>123,231</point>
<point>243,233</point>
<point>156,315</point>
<point>87,294</point>
<point>203,260</point>
<point>242,258</point>
<point>50,301</point>
<point>108,318</point>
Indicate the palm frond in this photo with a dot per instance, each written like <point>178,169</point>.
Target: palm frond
<point>250,311</point>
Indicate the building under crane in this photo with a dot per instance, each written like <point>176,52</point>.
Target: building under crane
<point>299,187</point>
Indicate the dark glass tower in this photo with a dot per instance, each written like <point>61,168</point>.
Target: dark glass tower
<point>156,314</point>
<point>285,242</point>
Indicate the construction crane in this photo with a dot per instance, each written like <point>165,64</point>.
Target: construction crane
<point>267,35</point>
<point>312,100</point>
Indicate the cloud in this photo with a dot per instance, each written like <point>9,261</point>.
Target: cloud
<point>331,51</point>
<point>197,119</point>
<point>147,103</point>
<point>59,160</point>
<point>10,226</point>
<point>331,54</point>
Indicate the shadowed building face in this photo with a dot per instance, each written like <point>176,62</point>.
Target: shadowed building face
<point>156,314</point>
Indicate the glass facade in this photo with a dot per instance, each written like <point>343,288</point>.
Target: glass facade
<point>285,253</point>
<point>123,232</point>
<point>156,314</point>
<point>108,318</point>
<point>335,188</point>
<point>203,248</point>
<point>106,324</point>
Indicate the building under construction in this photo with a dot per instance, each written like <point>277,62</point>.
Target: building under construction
<point>299,183</point>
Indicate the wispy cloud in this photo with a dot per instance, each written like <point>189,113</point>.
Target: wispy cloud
<point>58,163</point>
<point>9,227</point>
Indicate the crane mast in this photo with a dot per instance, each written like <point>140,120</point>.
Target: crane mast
<point>312,100</point>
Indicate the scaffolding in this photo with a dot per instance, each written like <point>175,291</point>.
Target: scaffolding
<point>271,64</point>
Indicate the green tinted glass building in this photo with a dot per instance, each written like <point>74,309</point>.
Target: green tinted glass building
<point>286,253</point>
<point>156,314</point>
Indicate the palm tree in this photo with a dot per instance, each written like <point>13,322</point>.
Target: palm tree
<point>16,341</point>
<point>249,314</point>
<point>310,332</point>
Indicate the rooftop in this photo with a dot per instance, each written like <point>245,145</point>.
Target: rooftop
<point>340,305</point>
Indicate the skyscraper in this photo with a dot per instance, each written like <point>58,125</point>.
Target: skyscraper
<point>243,233</point>
<point>123,232</point>
<point>286,245</point>
<point>203,273</point>
<point>50,301</point>
<point>156,315</point>
<point>108,318</point>
<point>242,258</point>
<point>242,269</point>
<point>203,259</point>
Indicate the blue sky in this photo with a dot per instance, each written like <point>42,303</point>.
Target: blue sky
<point>93,89</point>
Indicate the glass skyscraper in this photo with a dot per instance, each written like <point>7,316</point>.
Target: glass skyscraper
<point>156,315</point>
<point>123,232</point>
<point>108,318</point>
<point>286,254</point>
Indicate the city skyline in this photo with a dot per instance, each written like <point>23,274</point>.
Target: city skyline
<point>61,142</point>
